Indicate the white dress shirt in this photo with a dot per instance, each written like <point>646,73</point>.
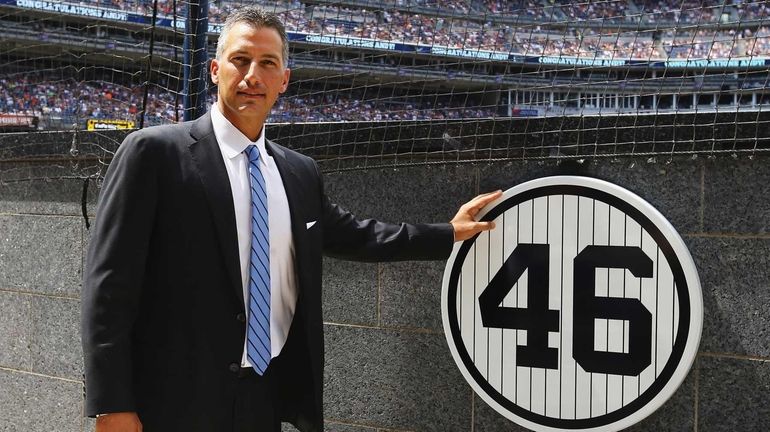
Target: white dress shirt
<point>283,287</point>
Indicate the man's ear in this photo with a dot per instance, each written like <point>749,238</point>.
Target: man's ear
<point>214,71</point>
<point>285,84</point>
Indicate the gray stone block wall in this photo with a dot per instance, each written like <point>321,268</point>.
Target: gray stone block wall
<point>41,253</point>
<point>388,367</point>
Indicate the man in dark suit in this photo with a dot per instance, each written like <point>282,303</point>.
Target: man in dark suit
<point>201,304</point>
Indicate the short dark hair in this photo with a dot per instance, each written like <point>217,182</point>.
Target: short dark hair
<point>257,18</point>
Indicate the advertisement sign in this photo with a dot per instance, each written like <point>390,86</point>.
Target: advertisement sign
<point>103,124</point>
<point>18,121</point>
<point>580,311</point>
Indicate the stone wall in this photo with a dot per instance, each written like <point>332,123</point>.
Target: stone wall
<point>388,367</point>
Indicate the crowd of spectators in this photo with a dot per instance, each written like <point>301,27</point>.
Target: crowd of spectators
<point>335,107</point>
<point>532,10</point>
<point>69,99</point>
<point>752,10</point>
<point>757,43</point>
<point>595,10</point>
<point>73,101</point>
<point>576,45</point>
<point>683,11</point>
<point>396,24</point>
<point>709,44</point>
<point>637,11</point>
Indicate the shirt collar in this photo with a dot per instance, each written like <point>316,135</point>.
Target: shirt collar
<point>232,141</point>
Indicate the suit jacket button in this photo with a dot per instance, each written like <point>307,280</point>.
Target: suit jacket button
<point>241,317</point>
<point>235,367</point>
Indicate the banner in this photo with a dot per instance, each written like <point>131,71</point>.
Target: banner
<point>104,124</point>
<point>18,121</point>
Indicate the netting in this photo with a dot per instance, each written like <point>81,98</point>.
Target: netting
<point>390,82</point>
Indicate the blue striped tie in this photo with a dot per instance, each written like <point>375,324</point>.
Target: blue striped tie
<point>258,346</point>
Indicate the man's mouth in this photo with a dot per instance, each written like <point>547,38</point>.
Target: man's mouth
<point>252,95</point>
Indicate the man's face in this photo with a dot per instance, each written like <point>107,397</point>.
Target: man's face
<point>250,76</point>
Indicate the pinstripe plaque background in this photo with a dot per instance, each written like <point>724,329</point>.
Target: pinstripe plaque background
<point>569,222</point>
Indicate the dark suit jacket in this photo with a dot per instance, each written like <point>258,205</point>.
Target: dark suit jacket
<point>162,301</point>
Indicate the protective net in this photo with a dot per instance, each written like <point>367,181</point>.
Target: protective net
<point>391,82</point>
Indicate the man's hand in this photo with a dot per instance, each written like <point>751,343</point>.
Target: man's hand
<point>464,224</point>
<point>119,422</point>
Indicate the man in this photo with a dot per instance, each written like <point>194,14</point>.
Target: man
<point>201,300</point>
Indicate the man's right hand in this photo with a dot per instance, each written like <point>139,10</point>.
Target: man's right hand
<point>119,422</point>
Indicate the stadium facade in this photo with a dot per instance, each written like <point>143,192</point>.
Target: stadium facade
<point>66,63</point>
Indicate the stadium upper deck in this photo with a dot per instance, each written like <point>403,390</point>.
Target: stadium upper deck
<point>541,59</point>
<point>669,29</point>
<point>647,13</point>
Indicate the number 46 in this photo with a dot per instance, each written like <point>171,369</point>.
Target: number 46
<point>538,320</point>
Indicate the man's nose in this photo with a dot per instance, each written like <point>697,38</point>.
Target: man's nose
<point>252,74</point>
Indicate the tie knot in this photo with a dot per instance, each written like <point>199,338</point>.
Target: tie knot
<point>252,152</point>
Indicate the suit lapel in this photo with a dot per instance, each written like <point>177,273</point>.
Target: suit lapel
<point>293,188</point>
<point>208,160</point>
<point>308,302</point>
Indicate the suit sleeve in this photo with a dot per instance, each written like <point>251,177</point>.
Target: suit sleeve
<point>114,273</point>
<point>349,238</point>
